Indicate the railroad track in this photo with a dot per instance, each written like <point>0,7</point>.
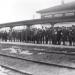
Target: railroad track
<point>15,70</point>
<point>38,62</point>
<point>65,52</point>
<point>57,52</point>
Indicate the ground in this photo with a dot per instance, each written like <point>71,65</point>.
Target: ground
<point>34,68</point>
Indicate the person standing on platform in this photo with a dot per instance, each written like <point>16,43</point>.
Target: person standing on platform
<point>73,31</point>
<point>54,36</point>
<point>70,37</point>
<point>5,36</point>
<point>64,35</point>
<point>59,35</point>
<point>46,35</point>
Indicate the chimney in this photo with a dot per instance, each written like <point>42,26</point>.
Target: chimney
<point>62,2</point>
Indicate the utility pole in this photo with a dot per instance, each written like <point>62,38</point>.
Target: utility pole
<point>62,2</point>
<point>33,16</point>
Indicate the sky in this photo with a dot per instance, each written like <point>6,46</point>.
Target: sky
<point>18,10</point>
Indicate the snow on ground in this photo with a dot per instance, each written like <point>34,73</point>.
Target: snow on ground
<point>12,50</point>
<point>26,52</point>
<point>6,49</point>
<point>3,71</point>
<point>17,50</point>
<point>40,53</point>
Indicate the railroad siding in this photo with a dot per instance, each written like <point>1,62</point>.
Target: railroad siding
<point>41,47</point>
<point>48,58</point>
<point>35,68</point>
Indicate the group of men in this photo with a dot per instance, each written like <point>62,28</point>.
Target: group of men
<point>53,35</point>
<point>56,35</point>
<point>4,36</point>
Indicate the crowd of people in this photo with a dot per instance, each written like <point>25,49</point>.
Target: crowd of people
<point>48,35</point>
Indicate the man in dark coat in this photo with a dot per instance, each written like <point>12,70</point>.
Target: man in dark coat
<point>73,34</point>
<point>59,31</point>
<point>64,35</point>
<point>54,36</point>
<point>70,37</point>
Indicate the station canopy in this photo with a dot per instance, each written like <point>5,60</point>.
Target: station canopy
<point>63,7</point>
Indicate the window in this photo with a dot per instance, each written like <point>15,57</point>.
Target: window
<point>58,15</point>
<point>48,16</point>
<point>69,14</point>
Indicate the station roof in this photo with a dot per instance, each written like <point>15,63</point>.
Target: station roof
<point>39,21</point>
<point>62,7</point>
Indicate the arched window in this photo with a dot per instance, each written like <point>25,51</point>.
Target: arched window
<point>69,14</point>
<point>58,15</point>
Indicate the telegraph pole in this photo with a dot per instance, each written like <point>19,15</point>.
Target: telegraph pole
<point>62,2</point>
<point>33,16</point>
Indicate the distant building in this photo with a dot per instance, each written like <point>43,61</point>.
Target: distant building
<point>63,10</point>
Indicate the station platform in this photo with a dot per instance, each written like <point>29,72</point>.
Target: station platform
<point>40,45</point>
<point>48,48</point>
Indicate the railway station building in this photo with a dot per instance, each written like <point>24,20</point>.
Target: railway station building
<point>53,15</point>
<point>58,14</point>
<point>63,10</point>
